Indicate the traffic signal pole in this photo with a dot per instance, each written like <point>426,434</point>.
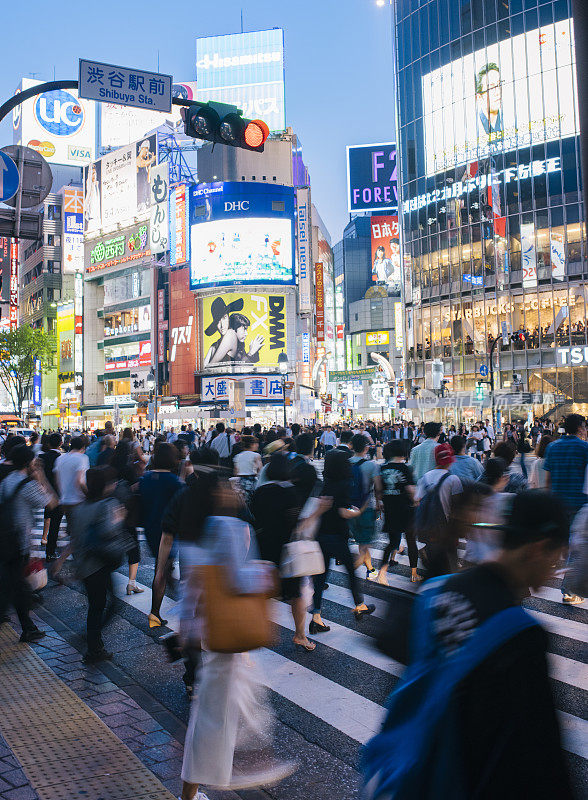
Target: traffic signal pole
<point>492,348</point>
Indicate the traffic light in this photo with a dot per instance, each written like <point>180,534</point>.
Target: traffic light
<point>480,391</point>
<point>519,336</point>
<point>223,123</point>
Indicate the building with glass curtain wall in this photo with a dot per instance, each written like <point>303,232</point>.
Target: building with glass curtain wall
<point>493,219</point>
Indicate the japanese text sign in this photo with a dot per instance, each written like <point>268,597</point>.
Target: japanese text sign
<point>127,87</point>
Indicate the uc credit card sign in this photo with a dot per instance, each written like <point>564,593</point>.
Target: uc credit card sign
<point>372,177</point>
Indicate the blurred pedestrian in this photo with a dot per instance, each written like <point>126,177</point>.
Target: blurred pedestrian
<point>333,536</point>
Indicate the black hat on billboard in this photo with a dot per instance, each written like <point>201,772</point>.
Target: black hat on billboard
<point>218,309</point>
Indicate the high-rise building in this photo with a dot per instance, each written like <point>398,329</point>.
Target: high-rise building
<point>492,213</point>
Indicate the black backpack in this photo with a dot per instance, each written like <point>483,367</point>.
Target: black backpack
<point>429,517</point>
<point>9,534</point>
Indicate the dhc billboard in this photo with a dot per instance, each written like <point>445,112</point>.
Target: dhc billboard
<point>241,234</point>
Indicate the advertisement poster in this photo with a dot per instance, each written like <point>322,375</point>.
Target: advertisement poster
<point>245,70</point>
<point>5,269</point>
<point>241,233</point>
<point>57,124</point>
<point>502,97</point>
<point>121,125</point>
<point>319,283</point>
<point>244,329</point>
<point>65,326</point>
<point>183,356</point>
<point>528,255</point>
<point>73,230</point>
<point>116,188</point>
<point>386,260</point>
<point>558,256</point>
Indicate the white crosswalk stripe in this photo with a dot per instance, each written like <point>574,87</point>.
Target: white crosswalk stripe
<point>349,712</point>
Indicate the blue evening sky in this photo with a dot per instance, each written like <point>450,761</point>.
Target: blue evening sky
<point>339,86</point>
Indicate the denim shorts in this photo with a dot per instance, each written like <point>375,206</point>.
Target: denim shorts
<point>363,528</point>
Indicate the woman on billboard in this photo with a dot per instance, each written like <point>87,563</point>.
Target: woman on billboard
<point>232,328</point>
<point>145,160</point>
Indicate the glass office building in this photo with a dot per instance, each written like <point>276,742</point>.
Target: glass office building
<point>493,222</point>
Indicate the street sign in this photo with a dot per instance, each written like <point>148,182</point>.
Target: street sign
<point>484,370</point>
<point>504,332</point>
<point>35,173</point>
<point>125,86</point>
<point>9,177</point>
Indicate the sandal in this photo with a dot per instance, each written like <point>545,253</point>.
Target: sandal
<point>307,647</point>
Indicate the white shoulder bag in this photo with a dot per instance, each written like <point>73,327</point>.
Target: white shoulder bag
<point>302,556</point>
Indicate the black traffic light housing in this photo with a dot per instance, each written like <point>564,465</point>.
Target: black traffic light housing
<point>225,124</point>
<point>518,336</point>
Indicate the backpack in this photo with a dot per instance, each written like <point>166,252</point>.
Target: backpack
<point>417,752</point>
<point>9,533</point>
<point>105,541</point>
<point>429,515</point>
<point>359,495</point>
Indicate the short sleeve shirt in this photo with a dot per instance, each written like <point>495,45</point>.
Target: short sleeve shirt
<point>369,471</point>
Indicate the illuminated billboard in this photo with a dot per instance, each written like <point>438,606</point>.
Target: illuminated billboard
<point>116,188</point>
<point>120,125</point>
<point>385,240</point>
<point>502,97</point>
<point>73,230</point>
<point>244,329</point>
<point>372,179</point>
<point>245,70</point>
<point>241,233</point>
<point>56,124</point>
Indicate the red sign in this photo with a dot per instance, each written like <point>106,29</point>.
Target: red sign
<point>182,333</point>
<point>180,244</point>
<point>13,284</point>
<point>340,331</point>
<point>161,325</point>
<point>386,253</point>
<point>320,301</point>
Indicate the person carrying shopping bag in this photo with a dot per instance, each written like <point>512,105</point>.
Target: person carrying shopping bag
<point>225,608</point>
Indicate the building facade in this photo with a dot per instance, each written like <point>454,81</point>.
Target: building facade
<point>492,215</point>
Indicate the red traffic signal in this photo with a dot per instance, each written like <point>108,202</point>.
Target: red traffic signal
<point>222,123</point>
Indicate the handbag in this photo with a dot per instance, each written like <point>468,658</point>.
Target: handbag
<point>302,555</point>
<point>233,623</point>
<point>35,574</point>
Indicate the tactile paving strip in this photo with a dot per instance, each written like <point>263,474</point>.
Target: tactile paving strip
<point>65,750</point>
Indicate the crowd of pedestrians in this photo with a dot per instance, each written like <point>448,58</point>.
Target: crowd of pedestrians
<point>485,517</point>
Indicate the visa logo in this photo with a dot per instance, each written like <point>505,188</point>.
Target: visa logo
<point>79,153</point>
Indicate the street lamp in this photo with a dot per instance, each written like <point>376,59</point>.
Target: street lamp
<point>67,395</point>
<point>283,366</point>
<point>151,389</point>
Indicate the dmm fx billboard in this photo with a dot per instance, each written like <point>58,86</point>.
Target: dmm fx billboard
<point>57,124</point>
<point>245,70</point>
<point>244,329</point>
<point>241,233</point>
<point>372,178</point>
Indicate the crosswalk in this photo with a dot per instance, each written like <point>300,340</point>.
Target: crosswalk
<point>322,683</point>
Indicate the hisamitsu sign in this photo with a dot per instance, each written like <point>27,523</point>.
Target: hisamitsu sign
<point>125,86</point>
<point>372,177</point>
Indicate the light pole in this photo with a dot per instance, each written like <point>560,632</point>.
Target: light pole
<point>283,365</point>
<point>67,395</point>
<point>151,389</point>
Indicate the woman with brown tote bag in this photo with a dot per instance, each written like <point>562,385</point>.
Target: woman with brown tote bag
<point>228,741</point>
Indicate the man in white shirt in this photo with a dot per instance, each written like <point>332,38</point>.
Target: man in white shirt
<point>70,477</point>
<point>328,439</point>
<point>223,444</point>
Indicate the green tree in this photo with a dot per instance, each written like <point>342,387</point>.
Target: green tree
<point>19,350</point>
